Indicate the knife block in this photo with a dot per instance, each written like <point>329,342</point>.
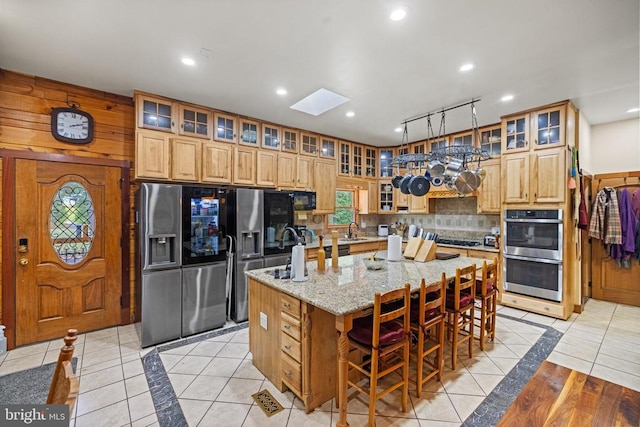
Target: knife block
<point>427,251</point>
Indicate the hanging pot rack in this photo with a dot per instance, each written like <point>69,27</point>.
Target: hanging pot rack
<point>461,156</point>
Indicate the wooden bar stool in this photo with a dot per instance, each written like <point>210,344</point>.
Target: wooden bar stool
<point>65,384</point>
<point>460,310</point>
<point>385,337</point>
<point>487,294</point>
<point>427,320</point>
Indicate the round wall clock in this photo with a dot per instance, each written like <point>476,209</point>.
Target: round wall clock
<point>71,125</point>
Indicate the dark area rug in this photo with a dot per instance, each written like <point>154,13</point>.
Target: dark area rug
<point>30,385</point>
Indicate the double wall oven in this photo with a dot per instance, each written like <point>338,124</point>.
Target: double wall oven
<point>533,253</point>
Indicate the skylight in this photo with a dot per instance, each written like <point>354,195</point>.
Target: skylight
<point>319,102</point>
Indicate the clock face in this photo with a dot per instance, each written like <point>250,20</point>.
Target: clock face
<point>71,125</point>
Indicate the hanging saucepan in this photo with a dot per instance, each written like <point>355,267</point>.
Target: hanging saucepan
<point>395,181</point>
<point>466,182</point>
<point>454,166</point>
<point>404,183</point>
<point>419,185</point>
<point>436,168</point>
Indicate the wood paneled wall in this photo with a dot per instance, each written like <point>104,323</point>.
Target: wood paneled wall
<point>25,123</point>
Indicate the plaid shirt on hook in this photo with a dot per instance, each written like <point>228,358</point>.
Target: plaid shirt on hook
<point>605,218</point>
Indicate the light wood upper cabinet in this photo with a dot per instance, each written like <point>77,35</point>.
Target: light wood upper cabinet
<point>216,162</point>
<point>244,165</point>
<point>309,145</point>
<point>417,147</point>
<point>515,133</point>
<point>305,173</point>
<point>462,139</point>
<point>266,168</point>
<point>185,159</point>
<point>419,204</point>
<point>155,113</point>
<point>357,160</point>
<point>344,158</point>
<point>489,191</point>
<point>195,122</point>
<point>386,156</point>
<point>491,139</point>
<point>385,197</point>
<point>536,177</point>
<point>225,128</point>
<point>271,135</point>
<point>152,155</point>
<point>371,162</point>
<point>515,178</point>
<point>437,143</point>
<point>373,196</point>
<point>548,127</point>
<point>287,170</point>
<point>324,177</point>
<point>290,140</point>
<point>327,148</point>
<point>249,132</point>
<point>400,201</point>
<point>549,175</point>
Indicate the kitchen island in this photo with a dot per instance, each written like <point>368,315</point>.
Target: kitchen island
<point>298,330</point>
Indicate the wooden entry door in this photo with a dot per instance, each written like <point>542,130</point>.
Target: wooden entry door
<point>68,257</point>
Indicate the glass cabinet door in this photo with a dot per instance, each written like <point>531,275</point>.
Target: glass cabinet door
<point>155,113</point>
<point>549,127</point>
<point>225,128</point>
<point>356,160</point>
<point>195,122</point>
<point>438,144</point>
<point>270,137</point>
<point>290,140</point>
<point>386,156</point>
<point>386,197</point>
<point>490,140</point>
<point>309,144</point>
<point>371,162</point>
<point>328,148</point>
<point>462,139</point>
<point>249,132</point>
<point>344,160</point>
<point>516,131</point>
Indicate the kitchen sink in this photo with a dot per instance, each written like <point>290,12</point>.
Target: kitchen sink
<point>355,239</point>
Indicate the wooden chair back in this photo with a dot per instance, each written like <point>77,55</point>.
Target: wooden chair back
<point>432,297</point>
<point>64,384</point>
<point>465,281</point>
<point>384,312</point>
<point>489,276</point>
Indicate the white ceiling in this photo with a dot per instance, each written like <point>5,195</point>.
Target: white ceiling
<point>540,51</point>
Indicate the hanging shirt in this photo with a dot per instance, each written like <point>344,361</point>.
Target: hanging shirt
<point>605,218</point>
<point>635,203</point>
<point>628,228</point>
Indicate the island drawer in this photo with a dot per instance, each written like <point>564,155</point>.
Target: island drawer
<point>292,374</point>
<point>290,326</point>
<point>290,305</point>
<point>290,346</point>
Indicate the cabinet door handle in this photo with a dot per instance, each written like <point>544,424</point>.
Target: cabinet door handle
<point>287,305</point>
<point>287,374</point>
<point>287,347</point>
<point>287,326</point>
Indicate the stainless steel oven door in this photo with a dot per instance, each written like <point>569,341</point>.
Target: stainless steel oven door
<point>536,277</point>
<point>541,238</point>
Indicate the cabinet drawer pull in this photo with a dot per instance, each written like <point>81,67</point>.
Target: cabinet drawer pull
<point>288,347</point>
<point>286,304</point>
<point>287,326</point>
<point>287,374</point>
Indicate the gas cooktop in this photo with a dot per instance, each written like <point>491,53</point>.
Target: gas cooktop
<point>458,242</point>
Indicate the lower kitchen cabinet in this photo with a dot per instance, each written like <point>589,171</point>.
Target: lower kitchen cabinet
<point>295,346</point>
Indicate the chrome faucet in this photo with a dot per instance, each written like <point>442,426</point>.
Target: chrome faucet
<point>350,234</point>
<point>284,233</point>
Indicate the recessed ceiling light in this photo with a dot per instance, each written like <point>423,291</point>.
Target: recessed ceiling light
<point>281,91</point>
<point>188,61</point>
<point>506,98</point>
<point>350,114</point>
<point>398,129</point>
<point>398,14</point>
<point>633,110</point>
<point>466,67</point>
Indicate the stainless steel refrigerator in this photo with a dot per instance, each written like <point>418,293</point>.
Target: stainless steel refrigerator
<point>159,273</point>
<point>251,212</point>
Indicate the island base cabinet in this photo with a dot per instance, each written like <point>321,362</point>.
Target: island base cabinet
<point>294,344</point>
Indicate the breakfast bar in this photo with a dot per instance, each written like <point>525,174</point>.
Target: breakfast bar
<point>292,325</point>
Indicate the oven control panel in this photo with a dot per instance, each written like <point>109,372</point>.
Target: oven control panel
<point>533,214</point>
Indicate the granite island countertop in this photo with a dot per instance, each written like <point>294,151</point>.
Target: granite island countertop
<point>327,242</point>
<point>353,287</point>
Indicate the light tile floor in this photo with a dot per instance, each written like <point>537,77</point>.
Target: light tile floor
<point>214,379</point>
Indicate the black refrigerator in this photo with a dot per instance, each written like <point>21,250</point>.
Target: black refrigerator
<point>204,258</point>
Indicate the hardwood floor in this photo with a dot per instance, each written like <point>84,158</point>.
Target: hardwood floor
<point>558,396</point>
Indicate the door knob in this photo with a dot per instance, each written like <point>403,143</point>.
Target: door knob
<point>24,261</point>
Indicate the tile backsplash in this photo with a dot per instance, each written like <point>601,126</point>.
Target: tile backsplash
<point>454,218</point>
